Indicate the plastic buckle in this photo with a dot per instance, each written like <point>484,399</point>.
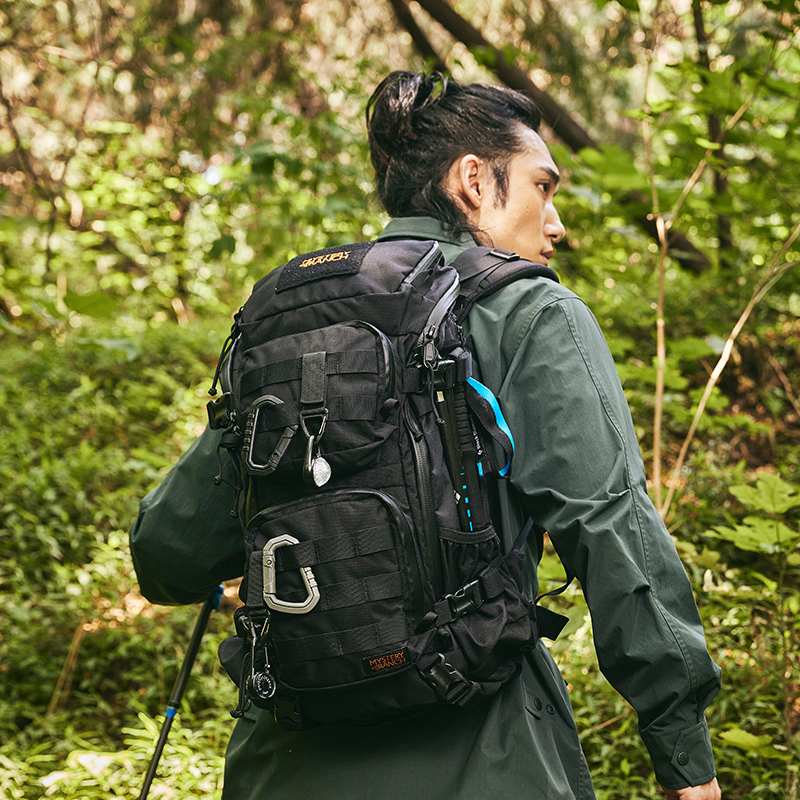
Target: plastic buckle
<point>218,413</point>
<point>449,683</point>
<point>459,602</point>
<point>444,374</point>
<point>268,566</point>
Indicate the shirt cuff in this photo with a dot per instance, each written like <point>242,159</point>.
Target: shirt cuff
<point>681,758</point>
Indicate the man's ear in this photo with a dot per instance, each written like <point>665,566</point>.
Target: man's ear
<point>468,181</point>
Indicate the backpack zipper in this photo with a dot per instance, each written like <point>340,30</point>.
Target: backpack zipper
<point>427,339</point>
<point>388,359</point>
<point>430,528</point>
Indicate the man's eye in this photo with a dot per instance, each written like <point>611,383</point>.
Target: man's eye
<point>545,187</point>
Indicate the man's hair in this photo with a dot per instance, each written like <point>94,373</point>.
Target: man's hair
<point>419,125</point>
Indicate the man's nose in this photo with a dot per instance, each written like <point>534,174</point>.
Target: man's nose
<point>553,227</point>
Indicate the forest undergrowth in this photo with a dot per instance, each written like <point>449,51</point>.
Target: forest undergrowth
<point>93,421</point>
<point>154,164</point>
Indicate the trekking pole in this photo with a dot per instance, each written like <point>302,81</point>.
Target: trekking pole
<point>180,685</point>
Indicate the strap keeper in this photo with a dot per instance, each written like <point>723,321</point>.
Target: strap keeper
<point>506,255</point>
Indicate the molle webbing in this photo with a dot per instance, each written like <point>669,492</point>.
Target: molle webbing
<point>341,407</point>
<point>292,369</point>
<point>354,593</point>
<point>342,642</point>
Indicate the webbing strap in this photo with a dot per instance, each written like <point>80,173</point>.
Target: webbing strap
<point>334,548</point>
<point>483,271</point>
<point>486,408</point>
<point>340,407</point>
<point>291,369</point>
<point>343,642</point>
<point>313,379</point>
<point>467,599</point>
<point>353,593</point>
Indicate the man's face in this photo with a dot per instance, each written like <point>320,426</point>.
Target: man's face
<point>528,223</point>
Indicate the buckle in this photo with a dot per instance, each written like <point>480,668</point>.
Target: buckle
<point>315,413</point>
<point>268,571</point>
<point>460,603</point>
<point>449,683</point>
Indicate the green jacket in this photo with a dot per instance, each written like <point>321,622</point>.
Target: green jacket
<point>578,472</point>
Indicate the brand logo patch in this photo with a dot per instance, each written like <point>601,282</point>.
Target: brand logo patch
<point>386,662</point>
<point>343,260</point>
<point>342,255</point>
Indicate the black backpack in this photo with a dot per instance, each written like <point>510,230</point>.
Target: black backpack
<point>374,583</point>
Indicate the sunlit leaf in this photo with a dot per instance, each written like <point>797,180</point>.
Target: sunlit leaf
<point>126,346</point>
<point>757,534</point>
<point>93,304</point>
<point>771,494</point>
<point>760,745</point>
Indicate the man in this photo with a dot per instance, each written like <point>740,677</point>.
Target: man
<point>460,165</point>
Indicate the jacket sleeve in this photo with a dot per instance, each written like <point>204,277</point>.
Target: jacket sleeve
<point>185,541</point>
<point>579,468</point>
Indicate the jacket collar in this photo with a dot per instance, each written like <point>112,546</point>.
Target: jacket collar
<point>427,228</point>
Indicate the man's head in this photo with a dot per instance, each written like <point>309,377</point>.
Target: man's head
<point>469,156</point>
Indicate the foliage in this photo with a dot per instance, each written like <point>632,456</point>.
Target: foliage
<point>771,579</point>
<point>154,164</point>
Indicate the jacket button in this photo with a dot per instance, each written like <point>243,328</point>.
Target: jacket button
<point>537,703</point>
<point>683,759</point>
<point>551,709</point>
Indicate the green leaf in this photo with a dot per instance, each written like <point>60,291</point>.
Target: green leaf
<point>225,244</point>
<point>636,114</point>
<point>790,6</point>
<point>758,535</point>
<point>771,494</point>
<point>127,346</point>
<point>93,304</point>
<point>110,126</point>
<point>706,144</point>
<point>153,459</point>
<point>752,744</point>
<point>691,348</point>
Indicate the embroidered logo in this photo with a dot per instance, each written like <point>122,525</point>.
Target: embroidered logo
<point>335,261</point>
<point>342,255</point>
<point>385,662</point>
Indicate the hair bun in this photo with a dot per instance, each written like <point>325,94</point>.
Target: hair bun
<point>394,110</point>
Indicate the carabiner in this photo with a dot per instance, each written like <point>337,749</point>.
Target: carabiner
<point>269,578</point>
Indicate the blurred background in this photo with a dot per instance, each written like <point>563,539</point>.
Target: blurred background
<point>156,158</point>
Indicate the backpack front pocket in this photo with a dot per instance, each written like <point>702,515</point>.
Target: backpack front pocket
<point>325,394</point>
<point>338,575</point>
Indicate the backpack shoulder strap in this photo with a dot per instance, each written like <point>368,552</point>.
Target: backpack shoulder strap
<point>485,270</point>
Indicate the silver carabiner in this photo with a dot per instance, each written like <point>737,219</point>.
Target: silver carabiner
<point>268,570</point>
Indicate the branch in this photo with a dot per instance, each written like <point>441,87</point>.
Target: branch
<point>421,41</point>
<point>720,180</point>
<point>661,348</point>
<point>22,154</point>
<point>765,283</point>
<point>564,126</point>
